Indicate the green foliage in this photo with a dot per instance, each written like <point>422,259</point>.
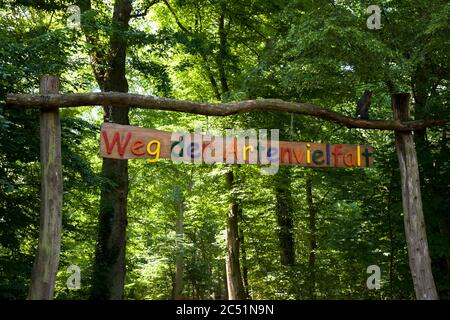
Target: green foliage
<point>309,51</point>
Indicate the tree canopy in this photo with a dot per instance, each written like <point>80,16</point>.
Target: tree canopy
<point>303,233</point>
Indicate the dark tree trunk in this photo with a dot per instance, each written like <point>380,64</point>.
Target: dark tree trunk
<point>222,53</point>
<point>179,263</point>
<point>444,219</point>
<point>234,279</point>
<point>235,287</point>
<point>225,282</point>
<point>433,179</point>
<point>211,78</point>
<point>244,265</point>
<point>391,235</point>
<point>109,264</point>
<point>312,238</point>
<point>284,217</point>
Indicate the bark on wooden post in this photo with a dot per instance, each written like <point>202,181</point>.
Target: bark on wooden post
<point>416,238</point>
<point>46,264</point>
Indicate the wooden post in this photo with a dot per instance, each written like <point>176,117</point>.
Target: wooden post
<point>47,259</point>
<point>416,237</point>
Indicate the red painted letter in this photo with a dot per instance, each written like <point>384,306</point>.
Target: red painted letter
<point>135,146</point>
<point>110,147</point>
<point>336,154</point>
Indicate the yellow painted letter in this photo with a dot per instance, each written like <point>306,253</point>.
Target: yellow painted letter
<point>358,155</point>
<point>245,151</point>
<point>308,153</point>
<point>154,153</point>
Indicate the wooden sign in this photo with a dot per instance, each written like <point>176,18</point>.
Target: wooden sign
<point>128,142</point>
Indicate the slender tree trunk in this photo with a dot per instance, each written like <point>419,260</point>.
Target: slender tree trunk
<point>47,259</point>
<point>244,266</point>
<point>391,237</point>
<point>235,287</point>
<point>109,265</point>
<point>210,75</point>
<point>222,52</point>
<point>391,255</point>
<point>218,291</point>
<point>179,264</point>
<point>233,268</point>
<point>416,238</point>
<point>312,238</point>
<point>284,217</point>
<point>225,282</point>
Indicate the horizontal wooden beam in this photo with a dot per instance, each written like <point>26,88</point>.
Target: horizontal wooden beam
<point>209,109</point>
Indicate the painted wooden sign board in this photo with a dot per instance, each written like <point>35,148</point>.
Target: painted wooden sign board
<point>129,142</point>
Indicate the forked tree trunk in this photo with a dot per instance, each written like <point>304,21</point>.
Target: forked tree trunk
<point>47,259</point>
<point>416,237</point>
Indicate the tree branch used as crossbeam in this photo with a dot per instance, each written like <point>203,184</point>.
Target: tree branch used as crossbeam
<point>210,109</point>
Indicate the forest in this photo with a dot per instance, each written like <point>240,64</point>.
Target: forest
<point>165,230</point>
